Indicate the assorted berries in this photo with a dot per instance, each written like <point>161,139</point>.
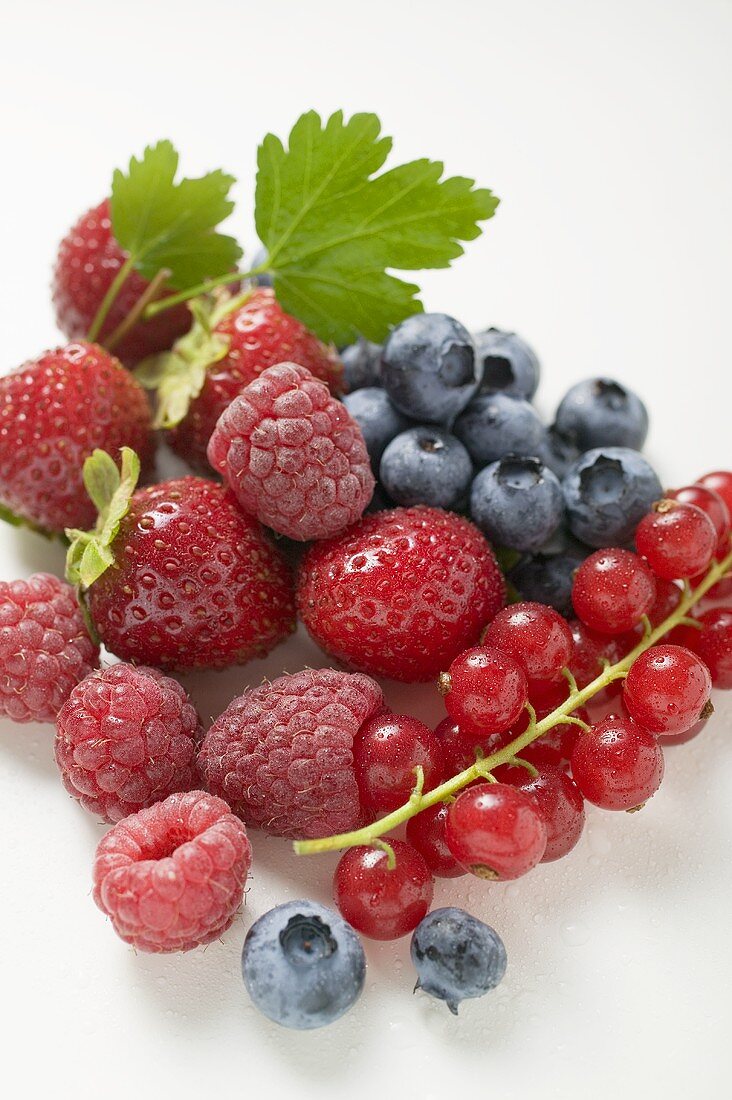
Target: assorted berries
<point>292,455</point>
<point>434,468</point>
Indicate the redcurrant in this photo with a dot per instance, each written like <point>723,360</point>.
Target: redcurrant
<point>385,754</point>
<point>380,902</point>
<point>711,503</point>
<point>459,749</point>
<point>720,482</point>
<point>535,635</point>
<point>713,643</point>
<point>496,831</point>
<point>612,590</point>
<point>667,690</point>
<point>560,804</point>
<point>485,691</point>
<point>617,765</point>
<point>426,833</point>
<point>668,598</point>
<point>677,540</point>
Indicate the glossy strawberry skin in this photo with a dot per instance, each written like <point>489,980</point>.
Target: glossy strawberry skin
<point>260,334</point>
<point>87,262</point>
<point>54,411</point>
<point>195,584</point>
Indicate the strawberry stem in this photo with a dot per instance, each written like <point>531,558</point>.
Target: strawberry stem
<point>135,314</point>
<point>205,287</point>
<point>482,768</point>
<point>109,298</point>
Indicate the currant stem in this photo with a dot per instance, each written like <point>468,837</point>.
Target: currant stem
<point>201,288</point>
<point>482,768</point>
<point>109,298</point>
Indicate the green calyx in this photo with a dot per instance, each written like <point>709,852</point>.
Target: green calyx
<point>90,554</point>
<point>177,376</point>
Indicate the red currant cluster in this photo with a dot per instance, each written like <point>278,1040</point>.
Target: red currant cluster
<point>502,782</point>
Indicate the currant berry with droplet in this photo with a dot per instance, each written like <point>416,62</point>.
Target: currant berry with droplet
<point>711,503</point>
<point>426,833</point>
<point>667,690</point>
<point>677,540</point>
<point>496,831</point>
<point>385,754</point>
<point>535,635</point>
<point>613,590</point>
<point>560,804</point>
<point>380,902</point>
<point>713,644</point>
<point>485,691</point>
<point>617,765</point>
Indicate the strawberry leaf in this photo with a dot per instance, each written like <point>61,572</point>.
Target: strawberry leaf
<point>90,554</point>
<point>172,226</point>
<point>333,228</point>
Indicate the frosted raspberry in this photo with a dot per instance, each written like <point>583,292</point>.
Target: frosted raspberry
<point>172,876</point>
<point>126,737</point>
<point>45,648</point>
<point>402,593</point>
<point>282,754</point>
<point>293,455</point>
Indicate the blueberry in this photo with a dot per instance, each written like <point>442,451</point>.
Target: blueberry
<point>426,465</point>
<point>547,578</point>
<point>377,418</point>
<point>509,364</point>
<point>517,502</point>
<point>259,257</point>
<point>430,367</point>
<point>303,965</point>
<point>601,413</point>
<point>607,492</point>
<point>456,956</point>
<point>495,425</point>
<point>361,364</point>
<point>557,451</point>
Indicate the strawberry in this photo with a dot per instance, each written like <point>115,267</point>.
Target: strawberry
<point>87,262</point>
<point>175,575</point>
<point>232,341</point>
<point>54,411</point>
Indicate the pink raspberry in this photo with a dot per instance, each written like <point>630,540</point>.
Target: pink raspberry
<point>293,455</point>
<point>172,876</point>
<point>45,648</point>
<point>126,737</point>
<point>282,754</point>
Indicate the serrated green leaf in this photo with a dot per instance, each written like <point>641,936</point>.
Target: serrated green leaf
<point>90,554</point>
<point>167,225</point>
<point>333,229</point>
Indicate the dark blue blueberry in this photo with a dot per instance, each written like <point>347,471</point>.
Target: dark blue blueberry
<point>259,257</point>
<point>557,451</point>
<point>607,492</point>
<point>426,465</point>
<point>517,502</point>
<point>456,956</point>
<point>303,965</point>
<point>547,579</point>
<point>601,413</point>
<point>361,364</point>
<point>377,418</point>
<point>430,367</point>
<point>509,364</point>
<point>494,425</point>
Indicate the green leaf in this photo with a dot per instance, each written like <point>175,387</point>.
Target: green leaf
<point>177,376</point>
<point>90,553</point>
<point>167,225</point>
<point>334,229</point>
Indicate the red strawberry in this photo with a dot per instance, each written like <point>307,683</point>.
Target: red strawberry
<point>175,575</point>
<point>87,262</point>
<point>54,411</point>
<point>232,341</point>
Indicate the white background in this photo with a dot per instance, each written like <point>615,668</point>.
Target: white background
<point>605,128</point>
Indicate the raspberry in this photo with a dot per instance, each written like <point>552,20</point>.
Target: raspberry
<point>45,648</point>
<point>282,754</point>
<point>88,260</point>
<point>402,593</point>
<point>293,455</point>
<point>126,737</point>
<point>172,876</point>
